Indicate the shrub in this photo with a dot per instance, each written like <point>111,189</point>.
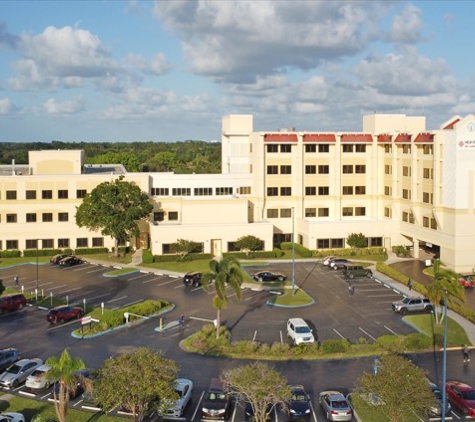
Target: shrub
<point>401,251</point>
<point>392,343</point>
<point>40,252</point>
<point>301,250</point>
<point>396,275</point>
<point>334,346</point>
<point>10,254</point>
<point>418,341</point>
<point>280,349</point>
<point>147,257</point>
<point>90,251</point>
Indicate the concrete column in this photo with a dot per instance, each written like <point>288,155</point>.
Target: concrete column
<point>415,243</point>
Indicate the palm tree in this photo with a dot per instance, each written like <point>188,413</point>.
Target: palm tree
<point>63,369</point>
<point>225,272</point>
<point>444,283</point>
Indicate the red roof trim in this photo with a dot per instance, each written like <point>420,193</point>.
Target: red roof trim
<point>319,137</point>
<point>280,137</point>
<point>424,138</point>
<point>384,137</point>
<point>403,137</point>
<point>356,137</point>
<point>452,124</point>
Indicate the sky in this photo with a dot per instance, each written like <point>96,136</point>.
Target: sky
<point>105,71</point>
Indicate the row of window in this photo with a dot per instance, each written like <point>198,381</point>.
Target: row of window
<point>427,197</point>
<point>224,190</point>
<point>428,222</point>
<point>315,212</point>
<point>45,194</point>
<point>346,148</point>
<point>372,242</point>
<point>81,242</point>
<point>312,169</point>
<point>32,217</point>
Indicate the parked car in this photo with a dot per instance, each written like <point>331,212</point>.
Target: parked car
<point>7,357</point>
<point>436,411</point>
<point>466,281</point>
<point>462,396</point>
<point>216,403</point>
<point>63,313</point>
<point>268,276</point>
<point>12,417</point>
<point>339,263</point>
<point>184,389</point>
<point>299,331</point>
<point>412,304</point>
<point>17,373</point>
<point>81,377</point>
<point>38,379</point>
<point>57,258</point>
<point>13,302</point>
<point>299,404</point>
<point>70,261</point>
<point>352,271</point>
<point>326,261</point>
<point>336,406</point>
<point>192,279</point>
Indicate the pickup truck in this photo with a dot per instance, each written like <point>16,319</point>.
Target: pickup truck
<point>412,304</point>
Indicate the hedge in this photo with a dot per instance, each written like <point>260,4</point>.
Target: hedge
<point>10,254</point>
<point>321,253</point>
<point>90,251</point>
<point>301,250</point>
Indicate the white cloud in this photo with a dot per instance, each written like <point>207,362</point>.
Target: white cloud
<point>159,65</point>
<point>57,107</point>
<point>406,27</point>
<point>6,106</point>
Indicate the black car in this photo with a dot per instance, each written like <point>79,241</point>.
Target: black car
<point>81,377</point>
<point>216,403</point>
<point>299,405</point>
<point>192,279</point>
<point>268,276</point>
<point>57,258</point>
<point>70,261</point>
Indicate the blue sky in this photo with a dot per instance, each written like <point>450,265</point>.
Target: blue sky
<point>169,70</point>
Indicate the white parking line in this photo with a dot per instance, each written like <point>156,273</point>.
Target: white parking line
<point>90,299</point>
<point>198,407</point>
<point>389,329</point>
<point>390,295</point>
<point>180,286</point>
<point>148,281</point>
<point>368,334</point>
<point>116,300</point>
<point>254,336</point>
<point>57,287</point>
<point>339,334</point>
<point>93,271</point>
<point>141,275</point>
<point>166,282</point>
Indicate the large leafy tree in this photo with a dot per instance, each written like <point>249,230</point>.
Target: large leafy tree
<point>357,240</point>
<point>140,382</point>
<point>225,272</point>
<point>184,247</point>
<point>249,243</point>
<point>114,208</point>
<point>401,387</point>
<point>64,370</point>
<point>260,385</point>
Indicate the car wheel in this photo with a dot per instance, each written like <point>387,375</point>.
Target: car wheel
<point>260,279</point>
<point>79,315</point>
<point>281,278</point>
<point>352,276</point>
<point>20,306</point>
<point>429,309</point>
<point>195,284</point>
<point>369,274</point>
<point>61,321</point>
<point>15,384</point>
<point>328,416</point>
<point>403,311</point>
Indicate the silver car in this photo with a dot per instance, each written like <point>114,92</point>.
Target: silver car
<point>17,373</point>
<point>184,389</point>
<point>336,406</point>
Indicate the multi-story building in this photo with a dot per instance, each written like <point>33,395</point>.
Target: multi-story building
<point>396,182</point>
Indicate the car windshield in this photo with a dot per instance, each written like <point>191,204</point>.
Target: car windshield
<point>468,395</point>
<point>339,404</point>
<point>406,300</point>
<point>38,373</point>
<point>216,396</point>
<point>14,369</point>
<point>302,330</point>
<point>299,397</point>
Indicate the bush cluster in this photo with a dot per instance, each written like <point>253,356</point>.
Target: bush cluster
<point>396,275</point>
<point>301,250</point>
<point>90,251</point>
<point>322,253</point>
<point>10,254</point>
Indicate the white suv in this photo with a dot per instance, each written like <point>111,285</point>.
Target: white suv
<point>299,331</point>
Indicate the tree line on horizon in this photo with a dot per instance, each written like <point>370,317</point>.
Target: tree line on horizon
<point>185,157</point>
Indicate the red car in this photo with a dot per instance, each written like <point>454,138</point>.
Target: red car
<point>461,395</point>
<point>466,281</point>
<point>12,302</point>
<point>61,314</point>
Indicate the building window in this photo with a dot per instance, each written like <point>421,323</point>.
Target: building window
<point>63,216</point>
<point>323,147</point>
<point>244,190</point>
<point>81,193</point>
<point>11,218</point>
<point>406,193</point>
<point>81,242</point>
<point>323,169</point>
<point>272,213</point>
<point>272,191</point>
<point>387,190</point>
<point>425,221</point>
<point>160,191</point>
<point>310,148</point>
<point>11,244</point>
<point>203,191</point>
<point>323,243</point>
<point>405,216</point>
<point>158,216</point>
<point>406,171</point>
<point>428,149</point>
<point>387,212</point>
<point>347,211</point>
<point>286,213</point>
<point>360,190</point>
<point>31,217</point>
<point>63,243</point>
<point>167,249</point>
<point>272,169</point>
<point>347,168</point>
<point>272,148</point>
<point>31,243</point>
<point>310,212</point>
<point>337,243</point>
<point>30,194</point>
<point>97,242</point>
<point>310,169</point>
<point>433,223</point>
<point>428,173</point>
<point>285,191</point>
<point>360,148</point>
<point>47,217</point>
<point>360,211</point>
<point>224,191</point>
<point>173,216</point>
<point>388,169</point>
<point>347,190</point>
<point>360,168</point>
<point>181,191</point>
<point>388,148</point>
<point>47,194</point>
<point>63,194</point>
<point>374,242</point>
<point>47,243</point>
<point>323,212</point>
<point>406,149</point>
<point>347,148</point>
<point>285,169</point>
<point>285,148</point>
<point>310,190</point>
<point>411,218</point>
<point>323,190</point>
<point>11,194</point>
<point>426,198</point>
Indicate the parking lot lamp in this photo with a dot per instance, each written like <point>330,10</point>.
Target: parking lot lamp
<point>37,268</point>
<point>444,361</point>
<point>293,251</point>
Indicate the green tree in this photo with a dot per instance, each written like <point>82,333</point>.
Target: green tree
<point>225,272</point>
<point>260,385</point>
<point>140,381</point>
<point>401,387</point>
<point>114,208</point>
<point>249,243</point>
<point>2,287</point>
<point>357,240</point>
<point>184,247</point>
<point>64,370</point>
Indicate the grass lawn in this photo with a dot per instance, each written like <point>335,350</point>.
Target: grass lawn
<point>287,299</point>
<point>456,335</point>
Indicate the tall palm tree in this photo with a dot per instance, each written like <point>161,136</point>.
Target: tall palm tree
<point>225,272</point>
<point>444,283</point>
<point>63,369</point>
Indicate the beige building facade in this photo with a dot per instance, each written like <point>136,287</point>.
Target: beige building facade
<point>394,181</point>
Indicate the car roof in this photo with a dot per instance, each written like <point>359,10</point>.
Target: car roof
<point>334,395</point>
<point>297,387</point>
<point>22,362</point>
<point>43,368</point>
<point>461,385</point>
<point>297,321</point>
<point>181,382</point>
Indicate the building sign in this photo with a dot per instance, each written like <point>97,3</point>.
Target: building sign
<point>467,144</point>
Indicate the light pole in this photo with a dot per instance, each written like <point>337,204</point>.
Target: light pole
<point>293,252</point>
<point>37,270</point>
<point>444,361</point>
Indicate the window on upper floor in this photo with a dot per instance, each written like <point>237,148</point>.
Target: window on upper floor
<point>160,191</point>
<point>428,149</point>
<point>63,194</point>
<point>272,213</point>
<point>433,223</point>
<point>388,148</point>
<point>285,169</point>
<point>81,193</point>
<point>323,148</point>
<point>347,148</point>
<point>387,212</point>
<point>47,217</point>
<point>11,218</point>
<point>406,171</point>
<point>360,190</point>
<point>11,194</point>
<point>272,191</point>
<point>310,212</point>
<point>406,193</point>
<point>273,169</point>
<point>347,211</point>
<point>310,169</point>
<point>31,217</point>
<point>310,148</point>
<point>360,169</point>
<point>225,190</point>
<point>285,148</point>
<point>323,190</point>
<point>425,221</point>
<point>360,148</point>
<point>272,148</point>
<point>347,168</point>
<point>406,149</point>
<point>63,216</point>
<point>173,216</point>
<point>360,211</point>
<point>347,190</point>
<point>30,194</point>
<point>244,190</point>
<point>286,213</point>
<point>323,169</point>
<point>388,169</point>
<point>323,212</point>
<point>285,191</point>
<point>158,216</point>
<point>47,194</point>
<point>388,190</point>
<point>203,191</point>
<point>310,190</point>
<point>181,192</point>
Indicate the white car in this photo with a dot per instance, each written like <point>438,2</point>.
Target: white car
<point>17,373</point>
<point>299,331</point>
<point>11,417</point>
<point>184,389</point>
<point>326,261</point>
<point>37,380</point>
